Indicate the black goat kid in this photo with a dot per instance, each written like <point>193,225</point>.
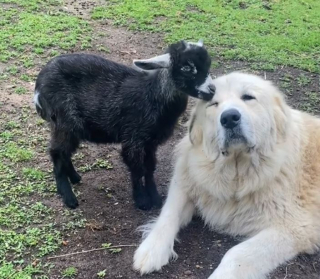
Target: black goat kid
<point>88,98</point>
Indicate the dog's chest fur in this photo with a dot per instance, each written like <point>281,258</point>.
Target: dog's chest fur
<point>235,196</point>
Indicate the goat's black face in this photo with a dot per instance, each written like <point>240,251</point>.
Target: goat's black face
<point>190,69</point>
<point>189,65</point>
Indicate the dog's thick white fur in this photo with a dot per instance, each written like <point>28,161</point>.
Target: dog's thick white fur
<point>261,182</point>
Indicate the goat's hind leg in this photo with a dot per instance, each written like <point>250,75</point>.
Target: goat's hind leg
<point>72,173</point>
<point>61,149</point>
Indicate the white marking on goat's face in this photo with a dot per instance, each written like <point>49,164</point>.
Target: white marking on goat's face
<point>192,44</point>
<point>36,99</point>
<point>207,86</point>
<point>157,62</point>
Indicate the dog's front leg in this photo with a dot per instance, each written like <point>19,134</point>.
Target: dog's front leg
<point>257,256</point>
<point>157,249</point>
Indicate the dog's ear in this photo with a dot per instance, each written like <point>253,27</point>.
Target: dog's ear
<point>281,115</point>
<point>195,130</point>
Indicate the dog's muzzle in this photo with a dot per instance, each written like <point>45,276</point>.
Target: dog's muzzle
<point>230,118</point>
<point>230,121</point>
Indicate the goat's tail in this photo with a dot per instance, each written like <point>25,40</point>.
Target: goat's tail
<point>41,106</point>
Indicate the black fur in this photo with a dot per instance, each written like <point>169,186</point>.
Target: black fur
<point>88,98</point>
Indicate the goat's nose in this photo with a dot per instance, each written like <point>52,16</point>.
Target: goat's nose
<point>230,118</point>
<point>212,88</point>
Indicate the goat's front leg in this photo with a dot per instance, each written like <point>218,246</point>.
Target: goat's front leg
<point>134,158</point>
<point>150,162</point>
<point>157,249</point>
<point>62,146</point>
<point>257,256</point>
<point>61,175</point>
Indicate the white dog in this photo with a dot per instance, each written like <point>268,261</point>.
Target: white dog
<point>251,166</point>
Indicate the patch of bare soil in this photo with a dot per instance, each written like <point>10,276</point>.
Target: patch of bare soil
<point>105,195</point>
<point>81,8</point>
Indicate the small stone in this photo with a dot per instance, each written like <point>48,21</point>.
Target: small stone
<point>188,272</point>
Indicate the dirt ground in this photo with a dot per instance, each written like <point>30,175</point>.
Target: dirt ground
<point>106,202</point>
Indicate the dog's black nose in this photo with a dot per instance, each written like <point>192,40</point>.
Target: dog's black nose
<point>230,118</point>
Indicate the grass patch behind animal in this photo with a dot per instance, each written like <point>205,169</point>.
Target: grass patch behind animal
<point>28,227</point>
<point>277,32</point>
<point>31,29</point>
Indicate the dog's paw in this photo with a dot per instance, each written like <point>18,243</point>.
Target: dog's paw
<point>235,270</point>
<point>220,273</point>
<point>152,254</point>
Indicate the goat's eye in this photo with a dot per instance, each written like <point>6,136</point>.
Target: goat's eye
<point>186,69</point>
<point>247,97</point>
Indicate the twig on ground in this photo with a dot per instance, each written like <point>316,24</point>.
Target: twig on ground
<point>314,267</point>
<point>287,270</point>
<point>91,250</point>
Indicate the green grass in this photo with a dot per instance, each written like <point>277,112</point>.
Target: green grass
<point>26,77</point>
<point>69,272</point>
<point>33,5</point>
<point>31,31</point>
<point>303,80</point>
<point>102,273</point>
<point>282,32</point>
<point>20,90</point>
<point>15,153</point>
<point>28,228</point>
<point>311,102</point>
<point>7,270</point>
<point>60,30</point>
<point>98,164</point>
<point>33,174</point>
<point>30,28</point>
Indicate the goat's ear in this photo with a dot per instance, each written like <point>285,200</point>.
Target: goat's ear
<point>184,43</point>
<point>200,43</point>
<point>157,62</point>
<point>195,130</point>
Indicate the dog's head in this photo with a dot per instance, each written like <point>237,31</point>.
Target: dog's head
<point>247,113</point>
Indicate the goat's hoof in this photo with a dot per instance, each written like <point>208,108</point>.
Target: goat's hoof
<point>75,178</point>
<point>71,201</point>
<point>59,191</point>
<point>156,199</point>
<point>144,203</point>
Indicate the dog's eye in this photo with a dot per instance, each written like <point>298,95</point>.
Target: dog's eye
<point>247,97</point>
<point>215,104</point>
